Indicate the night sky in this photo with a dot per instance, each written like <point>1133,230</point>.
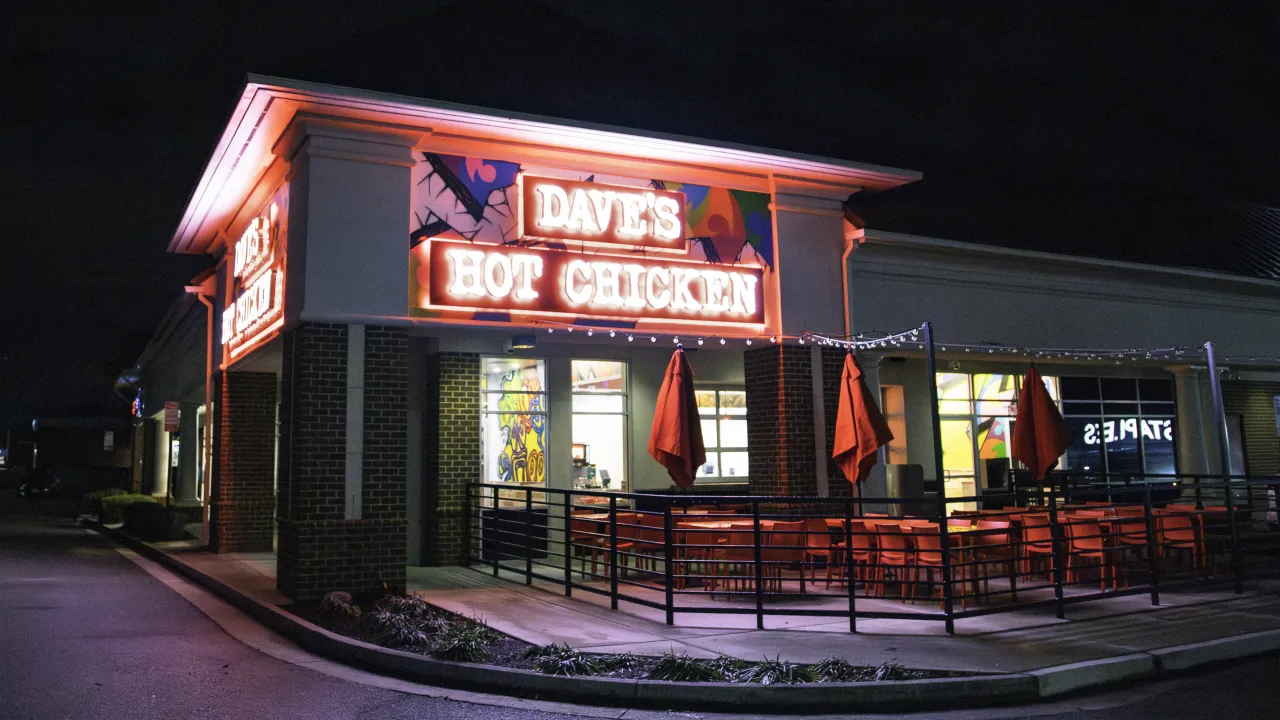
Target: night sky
<point>1125,130</point>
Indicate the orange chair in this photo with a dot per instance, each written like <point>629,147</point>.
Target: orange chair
<point>819,544</point>
<point>736,554</point>
<point>1037,541</point>
<point>928,555</point>
<point>1177,531</point>
<point>628,532</point>
<point>584,535</point>
<point>1086,541</point>
<point>649,540</point>
<point>892,554</point>
<point>994,546</point>
<point>783,545</point>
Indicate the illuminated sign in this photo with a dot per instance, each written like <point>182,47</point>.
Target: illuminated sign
<point>255,299</point>
<point>1127,429</point>
<point>529,280</point>
<point>590,212</point>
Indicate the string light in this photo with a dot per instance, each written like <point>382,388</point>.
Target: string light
<point>612,333</point>
<point>630,338</point>
<point>699,341</point>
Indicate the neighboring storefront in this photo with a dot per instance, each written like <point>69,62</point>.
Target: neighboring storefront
<point>411,297</point>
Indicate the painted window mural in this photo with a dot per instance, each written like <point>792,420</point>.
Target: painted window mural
<point>513,423</point>
<point>475,199</point>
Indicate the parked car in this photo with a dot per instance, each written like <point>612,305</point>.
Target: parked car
<point>40,483</point>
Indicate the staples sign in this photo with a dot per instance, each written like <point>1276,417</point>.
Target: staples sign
<point>557,209</point>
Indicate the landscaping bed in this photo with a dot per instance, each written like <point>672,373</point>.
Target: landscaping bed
<point>410,624</point>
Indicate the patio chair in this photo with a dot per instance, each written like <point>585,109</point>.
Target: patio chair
<point>585,535</point>
<point>892,555</point>
<point>650,540</point>
<point>1037,541</point>
<point>993,545</point>
<point>928,555</point>
<point>736,554</point>
<point>1086,542</point>
<point>819,543</point>
<point>783,545</point>
<point>1129,530</point>
<point>1176,531</point>
<point>628,532</point>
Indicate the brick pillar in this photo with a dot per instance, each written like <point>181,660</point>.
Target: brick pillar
<point>451,453</point>
<point>323,545</point>
<point>779,385</point>
<point>243,502</point>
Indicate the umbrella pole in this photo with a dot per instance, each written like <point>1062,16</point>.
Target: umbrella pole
<point>931,369</point>
<point>1224,459</point>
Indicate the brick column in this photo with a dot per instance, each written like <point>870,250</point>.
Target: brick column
<point>451,452</point>
<point>243,503</point>
<point>322,548</point>
<point>779,385</point>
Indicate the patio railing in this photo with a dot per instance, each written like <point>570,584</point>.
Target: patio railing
<point>1084,539</point>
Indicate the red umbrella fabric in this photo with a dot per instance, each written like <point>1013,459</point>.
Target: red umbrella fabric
<point>1040,435</point>
<point>860,427</point>
<point>675,440</point>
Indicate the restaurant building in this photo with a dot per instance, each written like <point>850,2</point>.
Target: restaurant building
<point>410,296</point>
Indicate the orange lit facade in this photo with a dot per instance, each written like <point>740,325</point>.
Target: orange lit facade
<point>442,296</point>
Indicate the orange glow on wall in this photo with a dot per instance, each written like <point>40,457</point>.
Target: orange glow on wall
<point>254,307</point>
<point>557,209</point>
<point>541,281</point>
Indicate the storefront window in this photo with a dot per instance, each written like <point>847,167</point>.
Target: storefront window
<point>513,423</point>
<point>977,418</point>
<point>600,424</point>
<point>1119,425</point>
<point>724,433</point>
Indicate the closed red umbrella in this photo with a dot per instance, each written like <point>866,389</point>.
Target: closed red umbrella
<point>1040,435</point>
<point>675,440</point>
<point>860,427</point>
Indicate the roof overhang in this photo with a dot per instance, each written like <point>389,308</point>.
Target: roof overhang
<point>268,105</point>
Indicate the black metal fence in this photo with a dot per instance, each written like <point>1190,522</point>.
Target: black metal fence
<point>943,559</point>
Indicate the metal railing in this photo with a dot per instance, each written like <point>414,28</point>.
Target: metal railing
<point>1081,539</point>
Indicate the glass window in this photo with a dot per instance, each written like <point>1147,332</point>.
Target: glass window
<point>600,424</point>
<point>513,422</point>
<point>1121,434</point>
<point>724,433</point>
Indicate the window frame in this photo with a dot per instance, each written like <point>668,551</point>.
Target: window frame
<point>625,414</point>
<point>718,478</point>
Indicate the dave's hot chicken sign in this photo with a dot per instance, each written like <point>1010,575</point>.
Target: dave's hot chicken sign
<point>590,250</point>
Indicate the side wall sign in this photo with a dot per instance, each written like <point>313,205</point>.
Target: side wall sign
<point>255,296</point>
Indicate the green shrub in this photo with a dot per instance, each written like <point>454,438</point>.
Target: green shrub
<point>394,631</point>
<point>104,493</point>
<point>682,668</point>
<point>464,642</point>
<point>834,669</point>
<point>777,671</point>
<point>889,671</point>
<point>563,660</point>
<point>338,612</point>
<point>618,663</point>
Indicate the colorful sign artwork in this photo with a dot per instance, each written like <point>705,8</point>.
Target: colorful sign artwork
<point>558,282</point>
<point>255,296</point>
<point>483,201</point>
<point>523,428</point>
<point>557,209</point>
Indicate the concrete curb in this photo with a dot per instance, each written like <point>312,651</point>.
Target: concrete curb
<point>943,693</point>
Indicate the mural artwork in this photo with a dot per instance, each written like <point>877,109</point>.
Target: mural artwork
<point>475,199</point>
<point>523,429</point>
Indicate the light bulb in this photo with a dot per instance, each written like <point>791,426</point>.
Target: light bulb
<point>748,341</point>
<point>550,330</point>
<point>675,340</point>
<point>590,333</point>
<point>631,338</point>
<point>801,341</point>
<point>721,341</point>
<point>612,333</point>
<point>699,341</point>
<point>653,338</point>
<point>773,339</point>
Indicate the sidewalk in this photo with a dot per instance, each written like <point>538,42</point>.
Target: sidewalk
<point>1005,643</point>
